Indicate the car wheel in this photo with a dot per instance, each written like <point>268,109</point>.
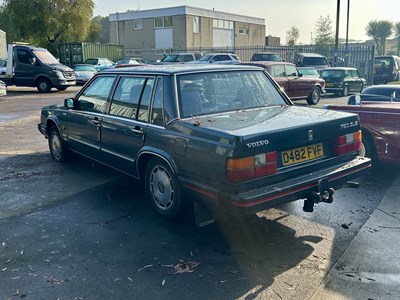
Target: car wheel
<point>43,85</point>
<point>367,147</point>
<point>345,91</point>
<point>58,150</point>
<point>315,96</point>
<point>163,189</point>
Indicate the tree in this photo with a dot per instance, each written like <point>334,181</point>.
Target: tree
<point>292,35</point>
<point>323,31</point>
<point>52,21</point>
<point>397,33</point>
<point>99,31</point>
<point>380,31</point>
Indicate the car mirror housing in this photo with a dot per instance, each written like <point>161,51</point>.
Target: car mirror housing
<point>69,103</point>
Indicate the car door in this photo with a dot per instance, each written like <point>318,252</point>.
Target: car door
<point>357,81</point>
<point>25,68</point>
<point>279,74</point>
<point>298,87</point>
<point>124,126</point>
<point>84,121</point>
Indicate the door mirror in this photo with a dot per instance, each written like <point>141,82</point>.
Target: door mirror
<point>69,103</point>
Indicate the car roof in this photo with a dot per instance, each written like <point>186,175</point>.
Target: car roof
<point>267,63</point>
<point>179,69</point>
<point>339,68</point>
<point>384,87</point>
<point>309,54</point>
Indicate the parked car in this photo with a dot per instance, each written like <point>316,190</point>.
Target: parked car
<point>3,88</point>
<point>293,83</point>
<point>343,80</point>
<point>380,128</point>
<point>386,69</point>
<point>224,136</point>
<point>218,58</point>
<point>179,58</point>
<point>308,72</point>
<point>83,73</point>
<point>130,61</point>
<point>3,66</point>
<point>390,93</point>
<point>266,56</point>
<point>100,63</point>
<point>315,60</point>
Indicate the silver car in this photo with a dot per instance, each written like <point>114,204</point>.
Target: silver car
<point>84,72</point>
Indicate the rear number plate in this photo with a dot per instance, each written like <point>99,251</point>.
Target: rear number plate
<point>299,155</point>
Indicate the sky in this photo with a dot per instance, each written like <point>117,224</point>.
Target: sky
<point>280,15</point>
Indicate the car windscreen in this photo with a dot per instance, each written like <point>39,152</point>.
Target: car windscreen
<point>315,61</point>
<point>380,91</point>
<point>85,68</point>
<point>332,74</point>
<point>217,92</point>
<point>170,58</point>
<point>46,57</point>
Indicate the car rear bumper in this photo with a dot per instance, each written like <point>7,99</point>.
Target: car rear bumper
<point>286,191</point>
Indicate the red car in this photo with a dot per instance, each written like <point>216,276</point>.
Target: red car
<point>295,85</point>
<point>380,124</point>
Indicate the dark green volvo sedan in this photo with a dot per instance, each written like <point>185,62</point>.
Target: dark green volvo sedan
<point>223,136</point>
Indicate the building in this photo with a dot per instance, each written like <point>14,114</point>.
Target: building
<point>183,27</point>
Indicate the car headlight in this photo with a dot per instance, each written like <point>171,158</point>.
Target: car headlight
<point>59,74</point>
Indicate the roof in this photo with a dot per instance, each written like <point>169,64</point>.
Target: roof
<point>310,54</point>
<point>184,10</point>
<point>339,68</point>
<point>178,69</point>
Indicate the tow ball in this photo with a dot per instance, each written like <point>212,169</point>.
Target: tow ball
<point>317,197</point>
<point>324,195</point>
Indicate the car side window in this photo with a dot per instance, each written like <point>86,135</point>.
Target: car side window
<point>157,115</point>
<point>126,98</point>
<point>291,71</point>
<point>24,57</point>
<point>145,100</point>
<point>278,71</point>
<point>94,97</point>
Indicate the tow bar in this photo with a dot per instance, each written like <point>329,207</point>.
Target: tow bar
<point>324,194</point>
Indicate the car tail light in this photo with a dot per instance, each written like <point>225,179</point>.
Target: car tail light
<point>242,169</point>
<point>348,143</point>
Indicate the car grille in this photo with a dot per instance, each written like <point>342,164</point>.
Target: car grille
<point>69,74</point>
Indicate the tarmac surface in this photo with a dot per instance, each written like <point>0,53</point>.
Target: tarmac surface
<point>370,266</point>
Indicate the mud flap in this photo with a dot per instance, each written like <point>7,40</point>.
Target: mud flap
<point>202,215</point>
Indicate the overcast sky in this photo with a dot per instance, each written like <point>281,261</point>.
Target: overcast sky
<point>280,15</point>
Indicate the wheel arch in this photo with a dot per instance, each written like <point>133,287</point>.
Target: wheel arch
<point>147,153</point>
<point>51,121</point>
<point>367,136</point>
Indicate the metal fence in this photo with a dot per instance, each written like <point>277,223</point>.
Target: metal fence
<point>357,56</point>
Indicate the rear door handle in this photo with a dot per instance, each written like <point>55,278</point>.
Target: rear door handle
<point>95,121</point>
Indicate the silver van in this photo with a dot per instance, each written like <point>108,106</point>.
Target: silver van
<point>315,60</point>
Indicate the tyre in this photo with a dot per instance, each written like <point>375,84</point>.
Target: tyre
<point>314,96</point>
<point>58,150</point>
<point>163,189</point>
<point>345,91</point>
<point>367,147</point>
<point>43,85</point>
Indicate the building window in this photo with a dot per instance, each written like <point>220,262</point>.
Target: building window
<point>244,31</point>
<point>222,24</point>
<point>163,22</point>
<point>137,24</point>
<point>196,24</point>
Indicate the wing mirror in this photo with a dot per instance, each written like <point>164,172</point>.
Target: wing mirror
<point>69,103</point>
